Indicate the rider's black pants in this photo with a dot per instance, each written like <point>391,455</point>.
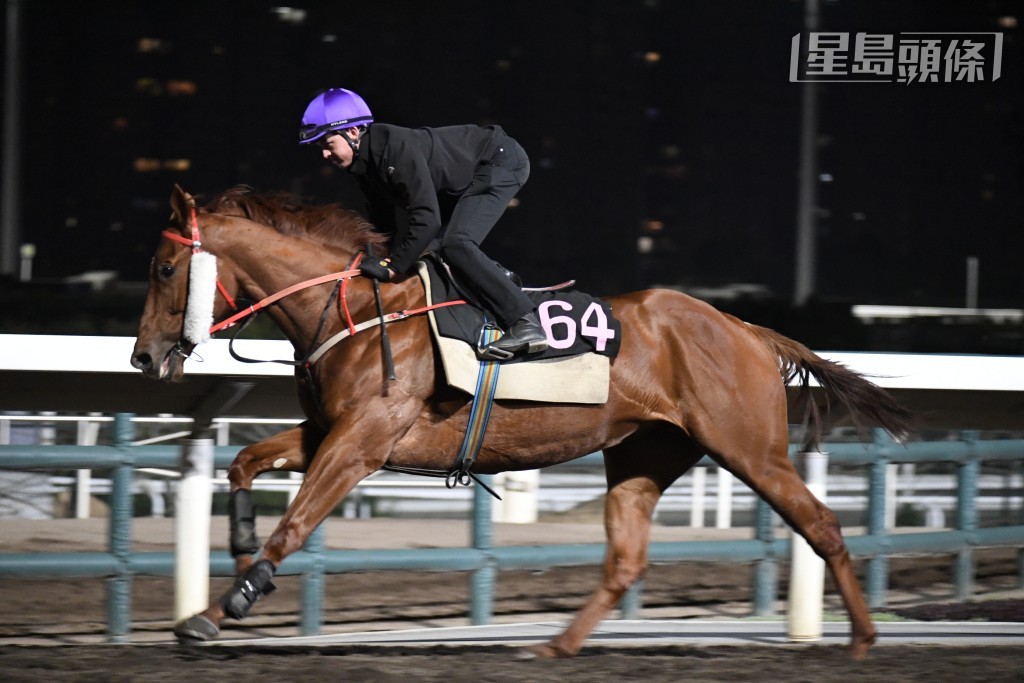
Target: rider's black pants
<point>497,179</point>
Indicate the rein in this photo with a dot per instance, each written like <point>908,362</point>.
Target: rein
<point>196,246</point>
<point>341,278</point>
<point>343,275</point>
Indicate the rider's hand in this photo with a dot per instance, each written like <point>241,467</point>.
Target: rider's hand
<point>378,269</point>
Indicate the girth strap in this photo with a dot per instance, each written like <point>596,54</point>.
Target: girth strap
<point>479,415</point>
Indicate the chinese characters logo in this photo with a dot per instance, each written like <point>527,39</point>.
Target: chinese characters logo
<point>918,57</point>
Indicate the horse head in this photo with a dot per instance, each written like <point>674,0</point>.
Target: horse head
<point>240,242</point>
<point>180,302</point>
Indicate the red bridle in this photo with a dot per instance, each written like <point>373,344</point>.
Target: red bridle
<point>345,276</point>
<point>196,244</point>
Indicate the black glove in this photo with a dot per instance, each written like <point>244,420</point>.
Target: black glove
<point>378,269</point>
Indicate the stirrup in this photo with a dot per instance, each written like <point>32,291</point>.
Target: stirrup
<point>492,354</point>
<point>483,349</point>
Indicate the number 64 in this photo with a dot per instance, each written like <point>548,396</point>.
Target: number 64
<point>593,323</point>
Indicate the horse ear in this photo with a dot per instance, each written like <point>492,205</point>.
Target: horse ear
<point>182,204</point>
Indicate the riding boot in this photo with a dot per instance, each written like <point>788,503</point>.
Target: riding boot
<point>524,336</point>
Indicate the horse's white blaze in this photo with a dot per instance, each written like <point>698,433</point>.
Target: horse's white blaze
<point>202,286</point>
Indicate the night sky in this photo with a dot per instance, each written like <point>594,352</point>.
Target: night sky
<point>632,111</point>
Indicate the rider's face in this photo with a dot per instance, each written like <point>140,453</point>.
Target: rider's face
<point>336,149</point>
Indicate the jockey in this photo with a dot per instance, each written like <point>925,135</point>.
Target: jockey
<point>480,167</point>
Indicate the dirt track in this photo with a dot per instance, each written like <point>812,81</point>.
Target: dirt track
<point>73,612</point>
<point>483,665</point>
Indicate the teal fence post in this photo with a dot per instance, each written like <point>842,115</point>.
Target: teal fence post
<point>1020,555</point>
<point>119,587</point>
<point>766,572</point>
<point>1020,570</point>
<point>966,518</point>
<point>482,579</point>
<point>632,601</point>
<point>878,564</point>
<point>313,584</point>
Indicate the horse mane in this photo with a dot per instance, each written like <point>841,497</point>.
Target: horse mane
<point>328,224</point>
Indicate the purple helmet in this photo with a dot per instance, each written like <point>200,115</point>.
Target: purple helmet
<point>334,109</point>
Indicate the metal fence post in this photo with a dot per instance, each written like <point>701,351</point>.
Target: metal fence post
<point>877,565</point>
<point>766,572</point>
<point>482,579</point>
<point>1020,553</point>
<point>632,601</point>
<point>966,518</point>
<point>119,587</point>
<point>313,584</point>
<point>1020,570</point>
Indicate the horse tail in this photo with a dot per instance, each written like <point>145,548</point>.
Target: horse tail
<point>857,394</point>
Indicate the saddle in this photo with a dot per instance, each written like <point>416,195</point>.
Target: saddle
<point>583,337</point>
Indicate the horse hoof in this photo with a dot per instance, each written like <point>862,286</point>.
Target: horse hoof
<point>536,652</point>
<point>195,628</point>
<point>859,648</point>
<point>543,651</point>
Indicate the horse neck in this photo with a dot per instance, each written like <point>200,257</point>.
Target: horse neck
<point>266,262</point>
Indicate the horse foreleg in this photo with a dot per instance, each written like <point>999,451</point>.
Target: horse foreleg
<point>331,474</point>
<point>288,451</point>
<point>249,587</point>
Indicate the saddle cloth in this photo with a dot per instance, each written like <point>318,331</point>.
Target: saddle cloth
<point>558,378</point>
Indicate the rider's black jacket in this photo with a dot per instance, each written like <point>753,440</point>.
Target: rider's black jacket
<point>409,168</point>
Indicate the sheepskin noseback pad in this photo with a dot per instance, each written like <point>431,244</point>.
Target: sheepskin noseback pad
<point>202,288</point>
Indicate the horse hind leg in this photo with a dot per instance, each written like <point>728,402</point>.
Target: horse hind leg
<point>638,471</point>
<point>778,482</point>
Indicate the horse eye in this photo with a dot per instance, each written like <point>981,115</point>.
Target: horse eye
<point>166,271</point>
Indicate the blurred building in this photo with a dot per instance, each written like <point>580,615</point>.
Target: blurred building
<point>663,135</point>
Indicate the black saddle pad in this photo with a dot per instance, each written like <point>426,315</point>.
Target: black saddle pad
<point>575,322</point>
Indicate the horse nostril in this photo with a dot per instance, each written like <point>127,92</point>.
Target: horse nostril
<point>142,361</point>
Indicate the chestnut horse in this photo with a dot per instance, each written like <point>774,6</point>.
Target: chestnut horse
<point>688,380</point>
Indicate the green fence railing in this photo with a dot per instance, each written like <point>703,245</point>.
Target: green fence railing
<point>484,560</point>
